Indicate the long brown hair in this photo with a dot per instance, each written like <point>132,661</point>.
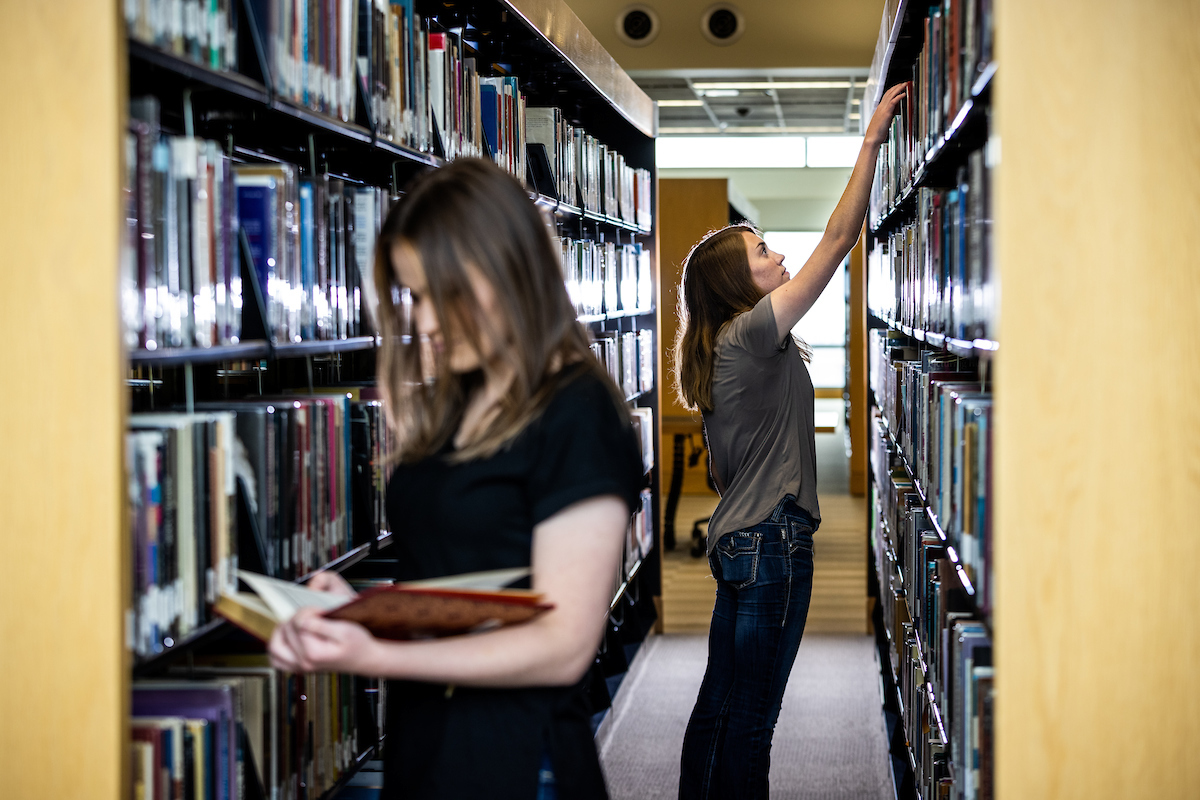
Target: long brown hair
<point>471,215</point>
<point>715,287</point>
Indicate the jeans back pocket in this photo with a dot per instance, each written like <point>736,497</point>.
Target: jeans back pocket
<point>738,554</point>
<point>800,535</point>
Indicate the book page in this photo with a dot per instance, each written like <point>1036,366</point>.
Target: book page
<point>491,580</point>
<point>285,599</point>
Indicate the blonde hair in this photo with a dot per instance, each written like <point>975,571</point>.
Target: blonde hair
<point>471,216</point>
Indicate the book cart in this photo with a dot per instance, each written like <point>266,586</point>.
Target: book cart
<point>1030,557</point>
<point>196,382</point>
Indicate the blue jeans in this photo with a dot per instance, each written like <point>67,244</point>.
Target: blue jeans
<point>764,585</point>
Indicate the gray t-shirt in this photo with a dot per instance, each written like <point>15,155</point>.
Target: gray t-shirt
<point>760,431</point>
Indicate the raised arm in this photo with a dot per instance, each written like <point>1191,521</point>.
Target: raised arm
<point>575,554</point>
<point>792,300</point>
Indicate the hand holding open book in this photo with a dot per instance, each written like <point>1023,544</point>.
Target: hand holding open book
<point>422,609</point>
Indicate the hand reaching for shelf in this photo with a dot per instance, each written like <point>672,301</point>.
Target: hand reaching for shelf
<point>881,120</point>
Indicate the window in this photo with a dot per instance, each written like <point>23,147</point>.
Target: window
<point>824,326</point>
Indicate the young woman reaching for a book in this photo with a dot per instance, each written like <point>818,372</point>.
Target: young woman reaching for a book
<point>515,451</point>
<point>737,365</point>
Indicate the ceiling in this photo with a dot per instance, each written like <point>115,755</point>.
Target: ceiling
<point>777,34</point>
<point>784,42</point>
<point>755,102</point>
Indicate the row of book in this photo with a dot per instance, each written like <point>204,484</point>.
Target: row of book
<point>940,416</point>
<point>204,31</point>
<point>956,50</point>
<point>935,273</point>
<point>310,239</point>
<point>312,243</point>
<point>940,651</point>
<point>607,278</point>
<point>181,281</point>
<point>232,728</point>
<point>639,538</point>
<point>587,172</point>
<point>422,84</point>
<point>280,486</point>
<point>629,358</point>
<point>312,50</point>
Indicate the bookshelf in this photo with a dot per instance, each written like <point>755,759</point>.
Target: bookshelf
<point>926,318</point>
<point>1091,497</point>
<point>92,69</point>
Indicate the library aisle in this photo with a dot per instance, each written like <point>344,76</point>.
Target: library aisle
<point>830,741</point>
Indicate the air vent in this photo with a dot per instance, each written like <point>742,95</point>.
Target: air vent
<point>722,24</point>
<point>637,25</point>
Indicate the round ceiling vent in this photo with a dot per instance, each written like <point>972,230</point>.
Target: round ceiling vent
<point>722,24</point>
<point>637,25</point>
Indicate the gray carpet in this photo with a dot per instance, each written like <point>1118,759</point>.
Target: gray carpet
<point>829,743</point>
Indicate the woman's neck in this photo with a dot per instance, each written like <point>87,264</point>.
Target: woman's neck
<point>484,402</point>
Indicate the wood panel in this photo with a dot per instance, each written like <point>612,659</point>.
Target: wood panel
<point>856,354</point>
<point>688,208</point>
<point>1097,449</point>
<point>63,684</point>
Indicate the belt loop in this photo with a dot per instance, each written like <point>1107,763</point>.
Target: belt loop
<point>778,513</point>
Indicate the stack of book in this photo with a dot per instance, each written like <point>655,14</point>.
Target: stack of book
<point>640,536</point>
<point>587,173</point>
<point>311,49</point>
<point>181,283</point>
<point>604,278</point>
<point>183,522</point>
<point>624,356</point>
<point>957,48</point>
<point>930,535</point>
<point>935,271</point>
<point>311,241</point>
<point>204,31</point>
<point>230,727</point>
<point>283,485</point>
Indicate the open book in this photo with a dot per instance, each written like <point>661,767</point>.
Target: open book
<point>416,610</point>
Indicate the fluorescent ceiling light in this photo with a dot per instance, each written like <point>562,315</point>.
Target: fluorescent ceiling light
<point>707,86</point>
<point>762,130</point>
<point>719,92</point>
<point>833,151</point>
<point>680,103</point>
<point>729,152</point>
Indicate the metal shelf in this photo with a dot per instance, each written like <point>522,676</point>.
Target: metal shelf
<point>625,584</point>
<point>176,356</point>
<point>246,351</point>
<point>232,82</point>
<point>558,26</point>
<point>967,348</point>
<point>363,140</point>
<point>344,779</point>
<point>323,346</point>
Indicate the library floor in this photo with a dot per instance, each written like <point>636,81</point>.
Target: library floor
<point>829,742</point>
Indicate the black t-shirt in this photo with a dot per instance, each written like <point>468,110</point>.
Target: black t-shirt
<point>451,518</point>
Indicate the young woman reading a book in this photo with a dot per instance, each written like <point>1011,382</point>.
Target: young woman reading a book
<point>515,451</point>
<point>737,364</point>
